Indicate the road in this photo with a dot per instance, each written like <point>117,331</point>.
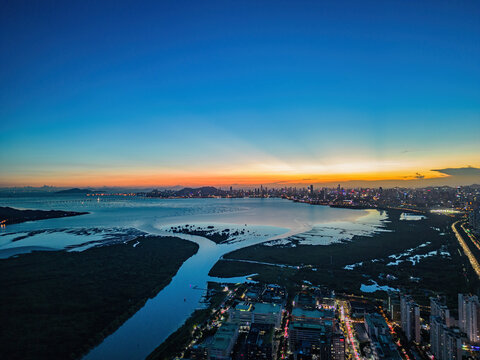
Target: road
<point>466,249</point>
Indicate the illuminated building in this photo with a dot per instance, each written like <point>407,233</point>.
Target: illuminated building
<point>452,342</point>
<point>446,342</point>
<point>320,317</point>
<point>438,309</point>
<point>439,321</point>
<point>223,342</point>
<point>474,220</point>
<point>258,344</point>
<point>394,306</point>
<point>269,314</point>
<point>410,318</point>
<point>246,314</point>
<point>469,317</point>
<point>315,332</point>
<point>338,347</point>
<point>242,314</point>
<point>380,339</point>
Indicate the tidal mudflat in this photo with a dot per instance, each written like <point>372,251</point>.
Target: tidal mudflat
<point>118,221</point>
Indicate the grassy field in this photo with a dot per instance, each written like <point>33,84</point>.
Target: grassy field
<point>58,305</point>
<point>325,264</point>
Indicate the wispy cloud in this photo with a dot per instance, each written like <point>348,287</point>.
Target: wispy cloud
<point>464,171</point>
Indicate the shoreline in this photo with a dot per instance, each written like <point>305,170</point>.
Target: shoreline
<point>59,284</point>
<point>11,216</point>
<point>300,227</point>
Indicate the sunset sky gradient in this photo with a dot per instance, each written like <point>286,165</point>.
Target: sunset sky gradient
<point>238,92</point>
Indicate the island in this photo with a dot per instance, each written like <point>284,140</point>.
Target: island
<point>74,191</point>
<point>9,216</point>
<point>209,232</point>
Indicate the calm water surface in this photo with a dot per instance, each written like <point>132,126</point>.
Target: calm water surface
<point>266,219</point>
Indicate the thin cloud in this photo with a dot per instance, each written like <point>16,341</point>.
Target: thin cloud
<point>465,171</point>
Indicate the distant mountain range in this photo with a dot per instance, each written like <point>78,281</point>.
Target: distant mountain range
<point>74,191</point>
<point>201,191</point>
<point>205,191</point>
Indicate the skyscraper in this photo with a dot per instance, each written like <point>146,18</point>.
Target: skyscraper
<point>440,321</point>
<point>474,220</point>
<point>410,317</point>
<point>451,344</point>
<point>439,309</point>
<point>469,317</point>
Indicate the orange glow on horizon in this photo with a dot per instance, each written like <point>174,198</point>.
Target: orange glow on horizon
<point>157,179</point>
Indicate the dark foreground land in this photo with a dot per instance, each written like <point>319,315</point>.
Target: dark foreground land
<point>58,305</point>
<point>199,322</point>
<point>10,215</point>
<point>447,271</point>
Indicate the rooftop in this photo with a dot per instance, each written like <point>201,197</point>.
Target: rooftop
<point>261,308</point>
<point>243,307</point>
<point>298,312</point>
<point>222,338</point>
<point>303,325</point>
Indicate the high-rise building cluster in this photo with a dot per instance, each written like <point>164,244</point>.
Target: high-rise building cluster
<point>445,340</point>
<point>469,317</point>
<point>474,220</point>
<point>450,337</point>
<point>464,198</point>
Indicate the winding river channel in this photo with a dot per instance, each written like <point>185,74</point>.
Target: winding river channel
<point>261,220</point>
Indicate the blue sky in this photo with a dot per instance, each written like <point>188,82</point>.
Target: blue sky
<point>166,91</point>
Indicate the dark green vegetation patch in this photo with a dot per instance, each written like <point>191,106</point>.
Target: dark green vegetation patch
<point>10,215</point>
<point>325,264</point>
<point>58,305</point>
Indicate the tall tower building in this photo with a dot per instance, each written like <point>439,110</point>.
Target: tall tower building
<point>410,318</point>
<point>439,309</point>
<point>469,317</point>
<point>439,321</point>
<point>474,220</point>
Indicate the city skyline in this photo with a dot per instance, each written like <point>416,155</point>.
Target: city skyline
<point>169,94</point>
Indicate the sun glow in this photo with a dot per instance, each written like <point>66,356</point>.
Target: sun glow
<point>275,174</point>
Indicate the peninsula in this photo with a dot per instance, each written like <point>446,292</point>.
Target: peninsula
<point>9,216</point>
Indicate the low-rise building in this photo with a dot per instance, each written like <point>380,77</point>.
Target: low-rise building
<point>322,317</point>
<point>223,341</point>
<point>270,314</point>
<point>242,314</point>
<point>246,314</point>
<point>257,344</point>
<point>381,341</point>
